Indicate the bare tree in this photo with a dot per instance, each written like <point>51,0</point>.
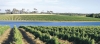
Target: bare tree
<point>42,12</point>
<point>22,11</point>
<point>18,11</point>
<point>15,11</point>
<point>27,11</point>
<point>35,10</point>
<point>8,11</point>
<point>51,12</point>
<point>48,12</point>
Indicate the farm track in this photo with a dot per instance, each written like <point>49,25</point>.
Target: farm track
<point>26,38</point>
<point>7,37</point>
<point>10,38</point>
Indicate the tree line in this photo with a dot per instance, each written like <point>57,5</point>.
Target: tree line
<point>22,11</point>
<point>71,14</point>
<point>93,15</point>
<point>35,10</point>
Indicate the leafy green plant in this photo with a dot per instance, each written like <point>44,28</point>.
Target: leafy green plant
<point>46,18</point>
<point>3,29</point>
<point>78,34</point>
<point>17,36</point>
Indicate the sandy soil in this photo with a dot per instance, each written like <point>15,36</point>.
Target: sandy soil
<point>65,42</point>
<point>5,36</point>
<point>29,38</point>
<point>10,38</point>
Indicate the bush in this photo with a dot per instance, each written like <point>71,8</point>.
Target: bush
<point>54,40</point>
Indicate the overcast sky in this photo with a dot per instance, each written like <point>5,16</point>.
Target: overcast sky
<point>75,6</point>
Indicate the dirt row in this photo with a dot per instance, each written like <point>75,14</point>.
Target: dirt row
<point>6,37</point>
<point>28,38</point>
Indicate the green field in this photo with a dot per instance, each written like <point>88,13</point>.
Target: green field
<point>78,35</point>
<point>50,35</point>
<point>46,18</point>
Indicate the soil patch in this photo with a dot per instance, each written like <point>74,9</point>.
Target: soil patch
<point>30,38</point>
<point>26,38</point>
<point>7,37</point>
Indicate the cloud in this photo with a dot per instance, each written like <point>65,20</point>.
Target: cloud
<point>54,5</point>
<point>59,8</point>
<point>20,2</point>
<point>26,3</point>
<point>74,9</point>
<point>51,1</point>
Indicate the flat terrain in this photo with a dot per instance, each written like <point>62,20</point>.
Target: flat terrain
<point>46,18</point>
<point>50,35</point>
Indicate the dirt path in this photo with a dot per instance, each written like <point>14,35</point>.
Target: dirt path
<point>26,38</point>
<point>30,38</point>
<point>6,37</point>
<point>65,42</point>
<point>10,38</point>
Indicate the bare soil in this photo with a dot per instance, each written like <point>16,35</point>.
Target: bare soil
<point>29,38</point>
<point>65,42</point>
<point>6,37</point>
<point>26,39</point>
<point>10,38</point>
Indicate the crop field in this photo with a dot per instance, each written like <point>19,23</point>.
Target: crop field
<point>46,18</point>
<point>50,35</point>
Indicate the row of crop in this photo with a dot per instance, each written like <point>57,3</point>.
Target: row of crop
<point>45,37</point>
<point>80,35</point>
<point>3,29</point>
<point>47,18</point>
<point>92,32</point>
<point>17,36</point>
<point>9,17</point>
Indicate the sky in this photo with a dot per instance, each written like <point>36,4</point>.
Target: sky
<point>68,6</point>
